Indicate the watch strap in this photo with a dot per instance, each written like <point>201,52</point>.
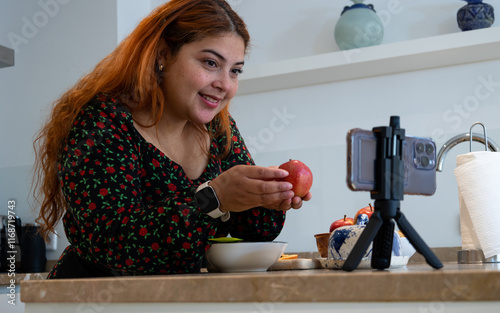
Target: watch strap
<point>216,213</point>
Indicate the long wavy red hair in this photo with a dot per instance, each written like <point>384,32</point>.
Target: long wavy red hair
<point>130,73</point>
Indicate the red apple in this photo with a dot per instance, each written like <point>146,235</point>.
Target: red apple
<point>366,210</point>
<point>346,221</point>
<point>300,176</point>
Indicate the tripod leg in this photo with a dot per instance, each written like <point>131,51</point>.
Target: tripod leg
<point>382,246</point>
<point>417,242</point>
<point>363,242</point>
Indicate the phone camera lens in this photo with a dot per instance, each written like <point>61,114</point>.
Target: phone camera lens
<point>429,149</point>
<point>424,161</point>
<point>420,147</point>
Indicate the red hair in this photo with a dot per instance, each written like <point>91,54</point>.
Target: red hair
<point>130,74</point>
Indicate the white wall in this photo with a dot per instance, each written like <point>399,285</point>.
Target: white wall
<point>320,116</point>
<point>130,12</point>
<point>56,42</point>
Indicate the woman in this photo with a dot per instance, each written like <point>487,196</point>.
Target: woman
<point>142,160</point>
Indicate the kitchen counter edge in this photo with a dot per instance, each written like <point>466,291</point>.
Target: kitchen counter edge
<point>415,282</point>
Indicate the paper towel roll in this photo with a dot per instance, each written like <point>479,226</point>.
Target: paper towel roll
<point>478,178</point>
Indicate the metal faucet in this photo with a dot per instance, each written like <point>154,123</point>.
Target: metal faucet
<point>461,138</point>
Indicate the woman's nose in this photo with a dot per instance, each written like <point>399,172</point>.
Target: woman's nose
<point>224,82</point>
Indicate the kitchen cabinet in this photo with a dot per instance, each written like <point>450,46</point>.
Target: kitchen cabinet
<point>411,55</point>
<point>6,57</point>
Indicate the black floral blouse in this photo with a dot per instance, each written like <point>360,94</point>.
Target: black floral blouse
<point>131,209</point>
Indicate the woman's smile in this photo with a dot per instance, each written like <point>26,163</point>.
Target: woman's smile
<point>210,101</point>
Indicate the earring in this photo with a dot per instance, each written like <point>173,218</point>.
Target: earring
<point>160,67</point>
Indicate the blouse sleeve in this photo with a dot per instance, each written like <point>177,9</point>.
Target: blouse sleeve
<point>256,224</point>
<point>110,221</point>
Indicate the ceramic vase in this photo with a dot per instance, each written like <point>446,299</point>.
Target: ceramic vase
<point>343,239</point>
<point>358,26</point>
<point>475,15</point>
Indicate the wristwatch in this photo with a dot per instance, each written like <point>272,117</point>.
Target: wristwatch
<point>208,202</point>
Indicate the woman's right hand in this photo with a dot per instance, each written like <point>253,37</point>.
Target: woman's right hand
<point>247,186</point>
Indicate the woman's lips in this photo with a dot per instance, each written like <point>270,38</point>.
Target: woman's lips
<point>210,101</point>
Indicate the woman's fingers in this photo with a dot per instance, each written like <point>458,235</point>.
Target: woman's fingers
<point>263,173</point>
<point>255,179</point>
<point>297,201</point>
<point>243,187</point>
<point>307,197</point>
<point>257,186</point>
<point>293,203</point>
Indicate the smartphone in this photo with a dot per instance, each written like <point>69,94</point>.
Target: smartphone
<point>419,155</point>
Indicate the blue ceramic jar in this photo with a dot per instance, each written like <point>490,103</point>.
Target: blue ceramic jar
<point>358,26</point>
<point>475,15</point>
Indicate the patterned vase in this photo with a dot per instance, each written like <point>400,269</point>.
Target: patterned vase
<point>358,26</point>
<point>475,15</point>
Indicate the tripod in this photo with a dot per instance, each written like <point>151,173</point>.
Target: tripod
<point>388,192</point>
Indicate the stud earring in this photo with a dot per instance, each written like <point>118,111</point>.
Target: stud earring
<point>160,67</point>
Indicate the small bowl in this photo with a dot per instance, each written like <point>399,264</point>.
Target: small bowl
<point>322,243</point>
<point>245,256</point>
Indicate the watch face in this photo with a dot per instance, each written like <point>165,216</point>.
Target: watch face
<point>206,199</point>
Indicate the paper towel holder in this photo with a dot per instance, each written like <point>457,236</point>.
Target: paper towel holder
<point>476,256</point>
<point>484,133</point>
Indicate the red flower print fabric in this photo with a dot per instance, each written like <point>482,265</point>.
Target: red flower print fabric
<point>131,209</point>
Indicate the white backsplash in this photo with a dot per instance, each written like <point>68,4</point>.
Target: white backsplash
<point>315,131</point>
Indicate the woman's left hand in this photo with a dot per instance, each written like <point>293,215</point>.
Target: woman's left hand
<point>287,204</point>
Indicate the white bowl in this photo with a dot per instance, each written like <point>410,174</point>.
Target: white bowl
<point>245,256</point>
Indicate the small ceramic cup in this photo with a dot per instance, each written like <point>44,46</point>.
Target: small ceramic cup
<point>322,244</point>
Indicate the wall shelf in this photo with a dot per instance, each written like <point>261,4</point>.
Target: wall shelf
<point>412,55</point>
<point>6,57</point>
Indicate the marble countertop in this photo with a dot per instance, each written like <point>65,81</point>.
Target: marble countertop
<point>415,282</point>
<point>5,279</point>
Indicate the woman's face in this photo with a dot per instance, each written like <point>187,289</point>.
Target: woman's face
<point>203,78</point>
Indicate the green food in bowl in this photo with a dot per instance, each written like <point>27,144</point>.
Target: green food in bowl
<point>225,239</point>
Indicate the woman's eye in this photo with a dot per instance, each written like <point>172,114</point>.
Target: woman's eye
<point>237,71</point>
<point>211,63</point>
